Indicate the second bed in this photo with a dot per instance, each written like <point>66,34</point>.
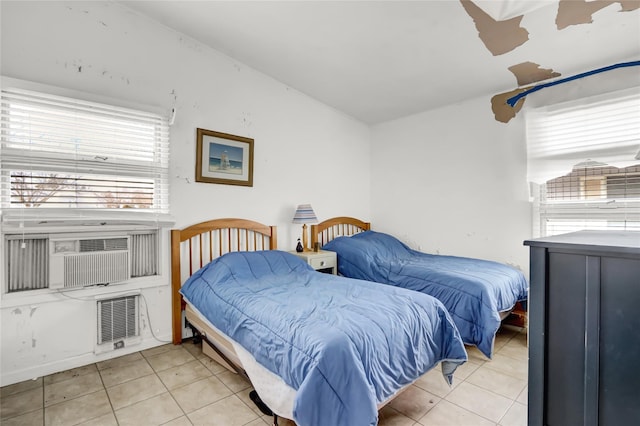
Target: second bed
<point>477,293</point>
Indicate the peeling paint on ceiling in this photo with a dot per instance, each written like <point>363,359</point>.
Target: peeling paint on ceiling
<point>530,72</point>
<point>576,12</point>
<point>498,36</point>
<point>570,12</point>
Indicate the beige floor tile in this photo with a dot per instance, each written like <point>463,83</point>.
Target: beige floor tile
<point>28,419</point>
<point>180,421</point>
<point>78,410</point>
<point>515,348</point>
<point>69,374</point>
<point>170,358</point>
<point>523,398</point>
<point>201,393</point>
<point>120,361</point>
<point>212,365</point>
<point>160,349</point>
<point>503,336</point>
<point>154,411</point>
<point>464,370</point>
<point>480,401</point>
<point>505,364</point>
<point>475,355</point>
<point>137,390</point>
<point>20,387</point>
<point>119,374</point>
<point>230,411</point>
<point>73,387</point>
<point>516,416</point>
<point>448,414</point>
<point>261,422</point>
<point>21,403</point>
<point>497,382</point>
<point>233,381</point>
<point>108,419</point>
<point>194,349</point>
<point>388,416</point>
<point>434,383</point>
<point>414,402</point>
<point>181,375</point>
<point>244,397</point>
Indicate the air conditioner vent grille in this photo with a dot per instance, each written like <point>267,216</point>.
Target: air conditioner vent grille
<point>117,319</point>
<point>95,268</point>
<point>103,244</point>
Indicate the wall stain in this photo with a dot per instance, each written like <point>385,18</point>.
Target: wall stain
<point>504,112</point>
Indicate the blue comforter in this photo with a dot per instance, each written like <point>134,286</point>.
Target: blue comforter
<point>473,290</point>
<point>344,344</point>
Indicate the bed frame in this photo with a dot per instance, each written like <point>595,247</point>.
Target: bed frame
<point>196,245</point>
<point>192,248</point>
<point>330,229</point>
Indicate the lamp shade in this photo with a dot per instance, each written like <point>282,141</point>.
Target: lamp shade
<point>305,214</point>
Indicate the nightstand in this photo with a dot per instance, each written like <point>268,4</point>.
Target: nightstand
<point>321,261</point>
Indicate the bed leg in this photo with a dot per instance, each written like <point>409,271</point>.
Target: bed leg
<point>196,337</point>
<point>275,420</point>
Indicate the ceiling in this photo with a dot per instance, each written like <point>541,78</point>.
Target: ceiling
<point>381,60</point>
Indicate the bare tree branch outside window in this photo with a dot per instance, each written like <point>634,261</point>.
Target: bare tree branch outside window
<point>33,189</point>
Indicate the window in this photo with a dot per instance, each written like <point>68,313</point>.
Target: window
<point>61,155</point>
<point>584,164</point>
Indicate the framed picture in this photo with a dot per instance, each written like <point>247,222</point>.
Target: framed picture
<point>224,158</point>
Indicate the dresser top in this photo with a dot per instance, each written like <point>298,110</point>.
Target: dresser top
<point>628,241</point>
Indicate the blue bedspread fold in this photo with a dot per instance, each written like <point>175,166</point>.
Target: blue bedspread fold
<point>473,290</point>
<point>345,345</point>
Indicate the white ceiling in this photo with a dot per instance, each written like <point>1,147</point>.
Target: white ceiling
<point>381,60</point>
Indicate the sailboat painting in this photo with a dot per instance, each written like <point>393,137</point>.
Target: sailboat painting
<point>224,158</point>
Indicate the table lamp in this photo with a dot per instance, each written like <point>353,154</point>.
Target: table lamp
<point>304,214</point>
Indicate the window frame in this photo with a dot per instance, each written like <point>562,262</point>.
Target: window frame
<point>158,170</point>
<point>556,150</point>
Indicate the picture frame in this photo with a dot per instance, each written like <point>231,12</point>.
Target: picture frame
<point>223,158</point>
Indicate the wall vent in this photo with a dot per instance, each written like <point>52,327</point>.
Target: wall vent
<point>118,323</point>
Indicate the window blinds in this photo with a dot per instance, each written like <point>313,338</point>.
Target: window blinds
<point>585,156</point>
<point>59,152</point>
<point>604,129</point>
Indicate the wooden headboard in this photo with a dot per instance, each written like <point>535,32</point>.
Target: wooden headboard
<point>195,246</point>
<point>335,227</point>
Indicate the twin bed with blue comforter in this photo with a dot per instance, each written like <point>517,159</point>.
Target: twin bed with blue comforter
<point>344,345</point>
<point>474,291</point>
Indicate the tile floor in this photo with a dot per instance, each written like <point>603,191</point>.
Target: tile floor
<point>179,385</point>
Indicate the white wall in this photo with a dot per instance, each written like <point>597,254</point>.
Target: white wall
<point>305,152</point>
<point>452,181</point>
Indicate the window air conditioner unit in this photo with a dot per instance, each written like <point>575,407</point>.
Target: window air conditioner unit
<point>86,261</point>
